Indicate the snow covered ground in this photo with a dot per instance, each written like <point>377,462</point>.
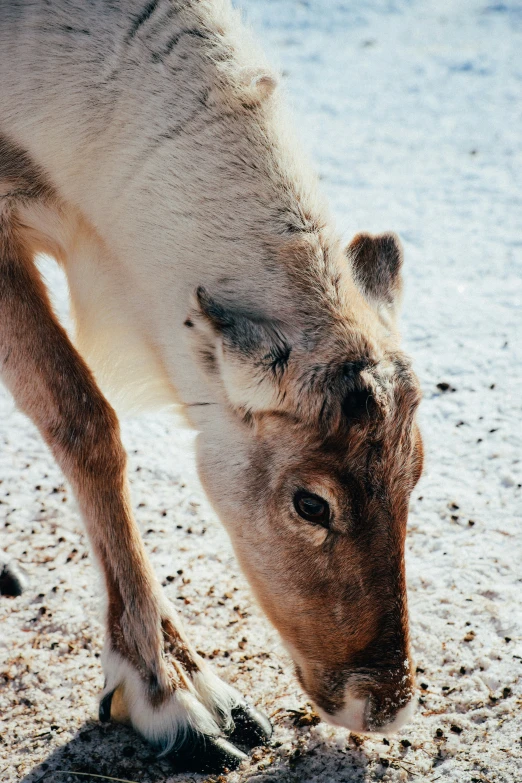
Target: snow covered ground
<point>411,110</point>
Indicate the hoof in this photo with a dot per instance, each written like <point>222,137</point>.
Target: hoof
<point>198,753</point>
<point>104,710</point>
<point>112,707</point>
<point>204,754</point>
<point>251,727</point>
<point>12,580</point>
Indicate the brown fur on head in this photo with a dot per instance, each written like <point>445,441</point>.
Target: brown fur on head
<point>327,411</point>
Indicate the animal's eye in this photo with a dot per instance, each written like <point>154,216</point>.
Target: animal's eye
<point>312,508</point>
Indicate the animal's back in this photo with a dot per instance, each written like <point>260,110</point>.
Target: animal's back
<point>156,122</point>
<point>51,60</point>
<point>97,91</point>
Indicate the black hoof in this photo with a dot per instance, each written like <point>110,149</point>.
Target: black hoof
<point>104,711</point>
<point>251,727</point>
<point>208,755</point>
<point>12,580</point>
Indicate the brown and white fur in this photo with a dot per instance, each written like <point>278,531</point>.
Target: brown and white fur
<point>143,145</point>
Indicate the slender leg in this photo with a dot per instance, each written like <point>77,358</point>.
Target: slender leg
<point>163,687</point>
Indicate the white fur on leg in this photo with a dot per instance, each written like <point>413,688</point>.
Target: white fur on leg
<point>218,697</point>
<point>165,726</point>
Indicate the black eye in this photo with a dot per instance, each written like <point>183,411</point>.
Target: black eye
<point>312,508</point>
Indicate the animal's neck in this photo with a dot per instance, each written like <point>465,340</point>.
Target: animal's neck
<point>196,164</point>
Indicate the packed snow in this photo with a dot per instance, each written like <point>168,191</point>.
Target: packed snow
<point>411,111</point>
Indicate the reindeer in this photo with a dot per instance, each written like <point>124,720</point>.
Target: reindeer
<point>143,145</point>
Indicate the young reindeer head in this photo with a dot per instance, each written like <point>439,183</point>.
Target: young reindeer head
<point>310,465</point>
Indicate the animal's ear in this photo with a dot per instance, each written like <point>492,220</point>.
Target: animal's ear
<point>376,262</point>
<point>249,354</point>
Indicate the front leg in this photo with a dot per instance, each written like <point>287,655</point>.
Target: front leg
<point>173,699</point>
<point>168,694</point>
<point>190,714</point>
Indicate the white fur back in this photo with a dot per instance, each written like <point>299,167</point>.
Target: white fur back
<point>163,129</point>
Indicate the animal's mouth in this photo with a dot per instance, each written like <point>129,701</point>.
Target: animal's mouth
<point>362,705</point>
<point>353,716</point>
<point>358,715</point>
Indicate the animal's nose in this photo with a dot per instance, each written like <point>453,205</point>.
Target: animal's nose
<point>375,713</point>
